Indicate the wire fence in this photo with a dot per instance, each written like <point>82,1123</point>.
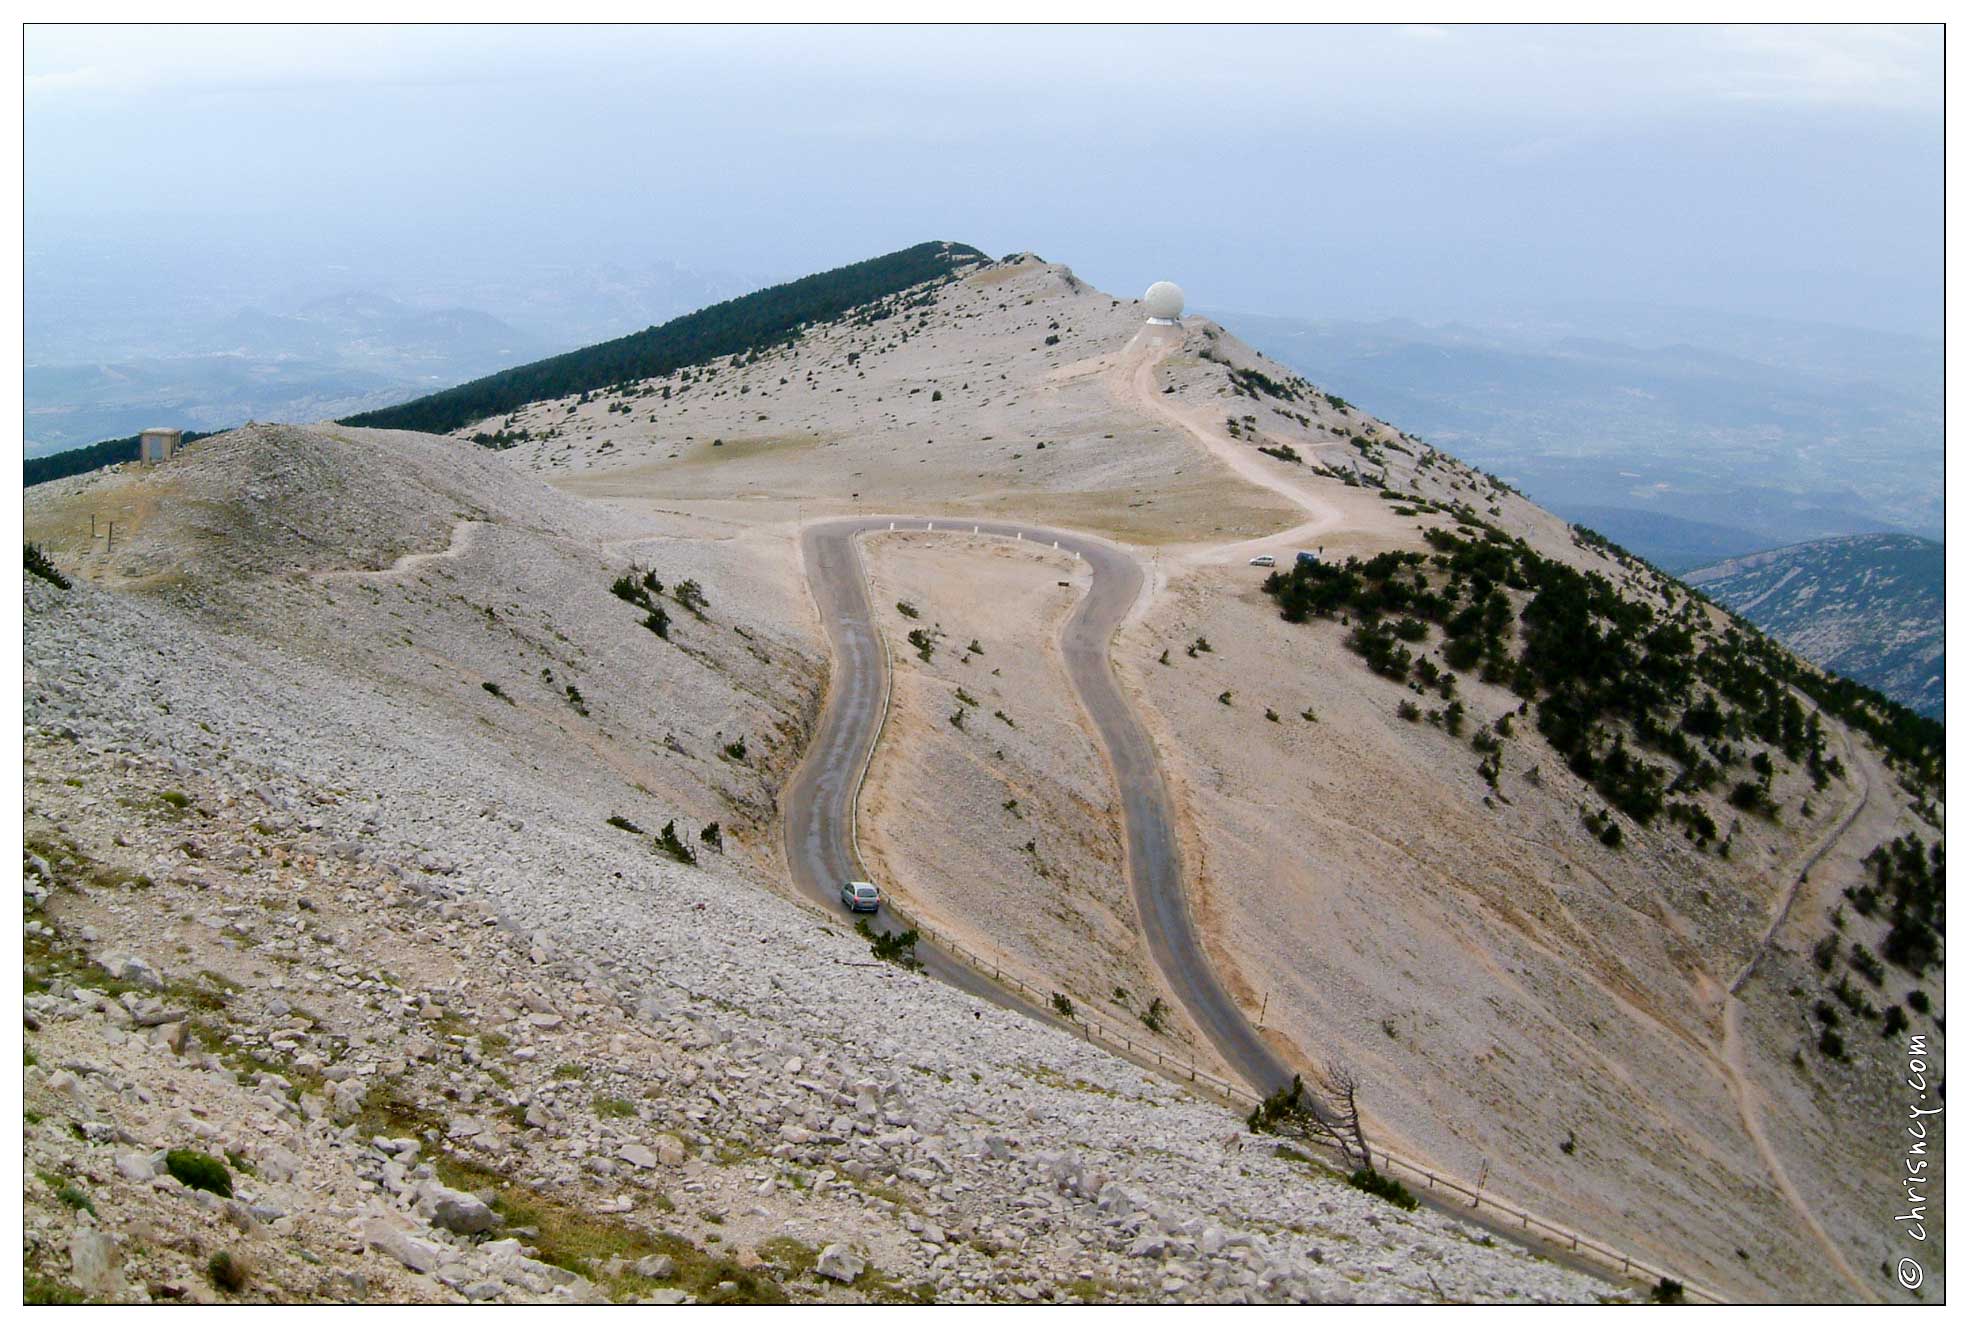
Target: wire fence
<point>1145,1053</point>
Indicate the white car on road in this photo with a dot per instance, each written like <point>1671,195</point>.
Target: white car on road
<point>861,897</point>
<point>1264,561</point>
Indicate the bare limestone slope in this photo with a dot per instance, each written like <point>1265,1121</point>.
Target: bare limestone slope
<point>1529,1003</point>
<point>322,883</point>
<point>1024,861</point>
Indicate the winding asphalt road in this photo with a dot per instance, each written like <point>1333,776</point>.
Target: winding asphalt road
<point>819,802</point>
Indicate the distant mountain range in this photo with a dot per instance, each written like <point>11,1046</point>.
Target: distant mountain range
<point>1867,606</point>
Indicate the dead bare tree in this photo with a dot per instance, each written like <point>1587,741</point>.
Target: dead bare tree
<point>1339,1090</point>
<point>1328,1111</point>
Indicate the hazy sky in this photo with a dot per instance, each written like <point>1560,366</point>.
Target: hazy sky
<point>1432,172</point>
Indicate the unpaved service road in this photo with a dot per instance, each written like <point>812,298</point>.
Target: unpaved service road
<point>819,800</point>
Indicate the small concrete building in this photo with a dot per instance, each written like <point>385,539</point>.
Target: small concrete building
<point>155,445</point>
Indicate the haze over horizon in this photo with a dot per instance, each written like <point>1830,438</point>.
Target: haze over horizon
<point>1428,172</point>
<point>1492,234</point>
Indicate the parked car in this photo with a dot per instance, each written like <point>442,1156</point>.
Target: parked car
<point>861,897</point>
<point>1264,561</point>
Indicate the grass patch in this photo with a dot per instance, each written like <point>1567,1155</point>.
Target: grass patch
<point>791,1257</point>
<point>581,1243</point>
<point>40,1290</point>
<point>383,1113</point>
<point>1046,1075</point>
<point>878,1287</point>
<point>882,1191</point>
<point>227,1273</point>
<point>1089,1290</point>
<point>200,1172</point>
<point>572,1238</point>
<point>733,1152</point>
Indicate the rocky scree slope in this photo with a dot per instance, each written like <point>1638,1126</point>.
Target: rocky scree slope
<point>304,895</point>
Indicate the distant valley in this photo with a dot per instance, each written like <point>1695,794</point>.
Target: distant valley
<point>1685,436</point>
<point>121,337</point>
<point>352,351</point>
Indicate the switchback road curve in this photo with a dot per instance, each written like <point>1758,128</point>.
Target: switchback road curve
<point>819,809</point>
<point>819,802</point>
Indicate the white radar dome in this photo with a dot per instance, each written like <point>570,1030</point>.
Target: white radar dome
<point>1164,301</point>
